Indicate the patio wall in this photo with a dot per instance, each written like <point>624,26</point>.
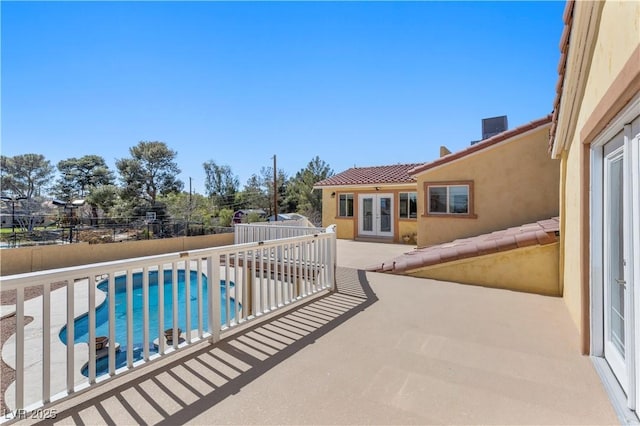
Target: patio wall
<point>532,269</point>
<point>30,259</point>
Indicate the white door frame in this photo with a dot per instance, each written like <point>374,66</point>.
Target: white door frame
<point>376,228</point>
<point>631,222</point>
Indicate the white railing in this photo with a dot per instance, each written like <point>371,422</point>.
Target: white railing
<point>206,293</point>
<point>262,231</point>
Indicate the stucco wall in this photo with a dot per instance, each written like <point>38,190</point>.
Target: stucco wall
<point>514,183</point>
<point>618,37</point>
<point>531,269</point>
<point>30,259</point>
<point>347,228</point>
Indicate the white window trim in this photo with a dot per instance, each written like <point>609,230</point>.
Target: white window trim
<point>408,204</point>
<point>346,194</point>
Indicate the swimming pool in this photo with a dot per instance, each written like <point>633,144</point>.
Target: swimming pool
<point>81,324</point>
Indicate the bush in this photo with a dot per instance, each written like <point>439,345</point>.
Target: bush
<point>225,216</point>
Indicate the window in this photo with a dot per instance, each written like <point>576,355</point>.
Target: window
<point>455,198</point>
<point>408,205</point>
<point>345,205</point>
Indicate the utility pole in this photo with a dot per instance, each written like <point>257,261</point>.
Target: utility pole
<point>189,210</point>
<point>275,190</point>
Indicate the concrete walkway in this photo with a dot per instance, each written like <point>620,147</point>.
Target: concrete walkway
<point>384,349</point>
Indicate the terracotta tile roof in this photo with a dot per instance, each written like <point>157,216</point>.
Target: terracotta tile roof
<point>398,173</point>
<point>484,144</point>
<point>542,232</point>
<point>567,17</point>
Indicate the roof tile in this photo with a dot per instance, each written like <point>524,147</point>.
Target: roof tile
<point>541,232</point>
<point>398,173</point>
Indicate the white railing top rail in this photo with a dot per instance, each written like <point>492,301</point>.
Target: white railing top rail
<point>11,282</point>
<point>254,232</point>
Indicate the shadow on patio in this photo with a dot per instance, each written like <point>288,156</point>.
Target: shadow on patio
<point>174,391</point>
<point>384,349</point>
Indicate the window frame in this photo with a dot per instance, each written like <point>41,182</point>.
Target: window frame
<point>470,214</point>
<point>353,207</point>
<point>408,217</point>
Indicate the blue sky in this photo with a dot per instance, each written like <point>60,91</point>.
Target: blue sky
<point>356,83</point>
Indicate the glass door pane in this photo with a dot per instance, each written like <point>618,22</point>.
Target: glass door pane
<point>385,214</point>
<point>614,236</point>
<point>367,214</point>
<point>616,323</point>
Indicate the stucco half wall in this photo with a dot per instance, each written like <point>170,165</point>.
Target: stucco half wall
<point>532,269</point>
<point>30,259</point>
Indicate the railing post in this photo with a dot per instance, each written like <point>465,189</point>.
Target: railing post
<point>214,297</point>
<point>331,229</point>
<point>20,349</point>
<point>70,338</point>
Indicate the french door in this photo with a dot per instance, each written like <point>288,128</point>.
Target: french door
<point>616,291</point>
<point>375,216</point>
<point>615,245</point>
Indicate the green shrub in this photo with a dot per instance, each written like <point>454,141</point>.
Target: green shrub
<point>225,216</point>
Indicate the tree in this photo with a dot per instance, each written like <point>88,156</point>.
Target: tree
<point>300,192</point>
<point>221,184</point>
<point>252,195</point>
<point>151,171</point>
<point>104,197</point>
<point>24,175</point>
<point>80,175</point>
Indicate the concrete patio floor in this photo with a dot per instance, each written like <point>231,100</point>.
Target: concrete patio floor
<point>384,349</point>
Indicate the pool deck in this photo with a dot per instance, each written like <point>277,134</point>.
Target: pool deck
<point>383,349</point>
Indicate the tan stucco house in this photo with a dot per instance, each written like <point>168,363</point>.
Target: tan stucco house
<point>595,134</point>
<point>503,181</point>
<point>371,203</point>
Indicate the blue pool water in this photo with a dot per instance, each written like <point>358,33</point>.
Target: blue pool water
<point>81,324</point>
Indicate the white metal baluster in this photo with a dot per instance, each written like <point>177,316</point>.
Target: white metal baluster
<point>46,342</point>
<point>236,285</point>
<point>260,271</point>
<point>200,301</point>
<point>129,289</point>
<point>289,276</point>
<point>245,286</point>
<point>161,338</point>
<point>187,296</point>
<point>270,284</point>
<point>256,282</point>
<point>145,312</point>
<point>325,257</point>
<point>313,265</point>
<point>92,329</point>
<point>309,255</point>
<point>227,291</point>
<point>70,337</point>
<point>19,374</point>
<point>174,302</point>
<point>213,285</point>
<point>296,270</point>
<point>334,254</point>
<point>111,294</point>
